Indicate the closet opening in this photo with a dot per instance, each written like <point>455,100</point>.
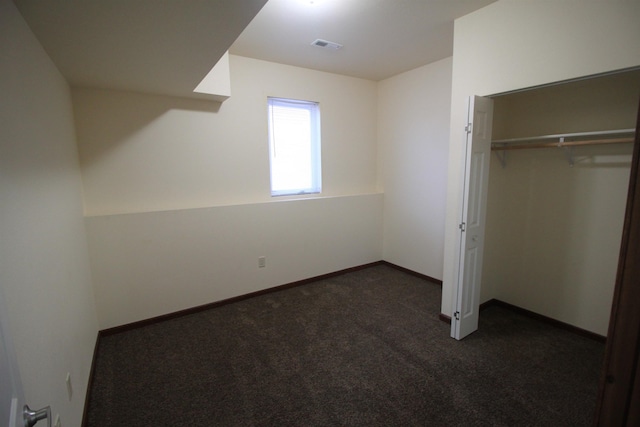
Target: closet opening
<point>556,203</point>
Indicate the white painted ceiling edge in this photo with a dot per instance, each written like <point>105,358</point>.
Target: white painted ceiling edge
<point>169,46</point>
<point>151,46</point>
<point>381,38</point>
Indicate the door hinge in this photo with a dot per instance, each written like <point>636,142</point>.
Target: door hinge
<point>467,128</point>
<point>456,315</point>
<point>463,226</point>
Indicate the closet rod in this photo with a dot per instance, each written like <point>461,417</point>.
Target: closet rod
<point>560,144</point>
<point>566,135</point>
<point>502,145</point>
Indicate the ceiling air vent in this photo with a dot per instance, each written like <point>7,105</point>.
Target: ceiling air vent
<point>326,44</point>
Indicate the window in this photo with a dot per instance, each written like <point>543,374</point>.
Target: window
<point>294,146</point>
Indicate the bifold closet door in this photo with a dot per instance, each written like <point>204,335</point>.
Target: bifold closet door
<point>471,228</point>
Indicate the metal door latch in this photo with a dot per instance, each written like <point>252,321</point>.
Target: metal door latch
<point>32,417</point>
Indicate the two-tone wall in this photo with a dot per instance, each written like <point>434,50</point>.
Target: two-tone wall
<point>177,192</point>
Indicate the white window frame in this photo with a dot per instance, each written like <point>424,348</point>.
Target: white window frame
<point>310,179</point>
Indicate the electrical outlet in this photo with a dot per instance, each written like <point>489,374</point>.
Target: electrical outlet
<point>69,387</point>
<point>57,422</point>
<point>262,262</point>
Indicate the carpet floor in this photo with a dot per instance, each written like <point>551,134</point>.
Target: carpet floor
<point>365,348</point>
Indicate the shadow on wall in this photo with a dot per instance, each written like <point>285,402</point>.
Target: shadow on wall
<point>112,118</point>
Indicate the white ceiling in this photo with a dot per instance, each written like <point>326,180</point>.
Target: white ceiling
<point>381,38</point>
<point>168,46</point>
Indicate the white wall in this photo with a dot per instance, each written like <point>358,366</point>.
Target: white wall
<point>514,44</point>
<point>44,266</point>
<point>413,137</point>
<point>177,192</point>
<point>142,153</point>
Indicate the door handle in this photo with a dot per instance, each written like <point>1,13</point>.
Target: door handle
<point>32,417</point>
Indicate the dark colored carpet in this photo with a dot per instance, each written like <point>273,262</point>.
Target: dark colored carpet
<point>362,349</point>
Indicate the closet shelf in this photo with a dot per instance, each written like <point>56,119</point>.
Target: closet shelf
<point>564,141</point>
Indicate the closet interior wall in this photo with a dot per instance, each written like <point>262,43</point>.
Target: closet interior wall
<point>553,230</point>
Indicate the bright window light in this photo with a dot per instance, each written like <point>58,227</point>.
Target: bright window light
<point>294,146</point>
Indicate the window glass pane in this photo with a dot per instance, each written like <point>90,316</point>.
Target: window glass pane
<point>294,145</point>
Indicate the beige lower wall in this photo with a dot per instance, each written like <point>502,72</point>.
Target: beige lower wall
<point>149,264</point>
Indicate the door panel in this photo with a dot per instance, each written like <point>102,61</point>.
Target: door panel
<point>471,260</point>
<point>476,202</point>
<point>472,220</point>
<point>11,396</point>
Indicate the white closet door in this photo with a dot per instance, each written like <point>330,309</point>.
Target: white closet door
<point>11,395</point>
<point>468,273</point>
